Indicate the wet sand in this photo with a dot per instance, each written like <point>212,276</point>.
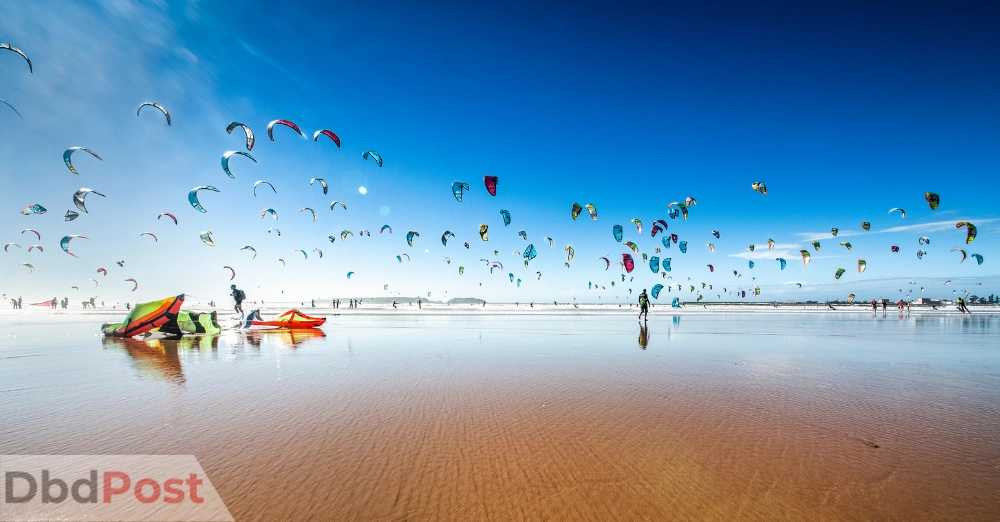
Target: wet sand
<point>717,417</point>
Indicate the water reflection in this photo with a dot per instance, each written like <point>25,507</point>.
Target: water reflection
<point>291,338</point>
<point>643,337</point>
<point>156,358</point>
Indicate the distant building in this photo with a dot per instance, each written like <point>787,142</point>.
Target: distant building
<point>927,302</point>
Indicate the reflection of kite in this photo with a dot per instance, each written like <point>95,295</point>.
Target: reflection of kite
<point>154,105</point>
<point>64,244</point>
<point>246,130</point>
<point>69,152</point>
<point>193,196</point>
<point>229,154</point>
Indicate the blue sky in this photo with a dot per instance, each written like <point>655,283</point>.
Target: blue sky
<point>845,111</point>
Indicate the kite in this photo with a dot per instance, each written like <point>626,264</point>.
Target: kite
<point>273,212</point>
<point>539,275</point>
<point>444,237</point>
<point>862,265</point>
<point>530,252</point>
<point>506,217</point>
<point>206,237</point>
<point>866,225</point>
<point>834,231</point>
<point>629,263</point>
<point>231,270</point>
<point>932,199</point>
<point>549,239</point>
<point>805,257</point>
<point>282,261</point>
<point>633,246</point>
<point>286,123</point>
<point>78,198</point>
<point>924,240</point>
<point>617,231</point>
<point>491,184</point>
<point>461,270</point>
<point>70,215</point>
<point>770,244</point>
<point>716,234</point>
<point>31,268</point>
<point>710,269</point>
<point>921,254</point>
<point>69,153</point>
<point>759,187</point>
<point>457,187</point>
<point>328,134</point>
<point>39,247</point>
<point>10,244</point>
<point>342,205</point>
<point>953,250</point>
<point>815,245</point>
<point>511,277</point>
<point>310,210</point>
<point>193,196</point>
<point>569,252</point>
<point>575,211</point>
<point>638,225</point>
<point>895,248</point>
<point>690,202</point>
<point>11,48</point>
<point>751,265</point>
<point>276,230</point>
<point>101,270</point>
<point>592,210</point>
<point>902,212</point>
<point>710,247</point>
<point>11,107</point>
<point>979,258</point>
<point>752,247</point>
<point>157,106</point>
<point>319,251</point>
<point>655,291</point>
<point>225,161</point>
<point>846,244</point>
<point>321,182</point>
<point>246,130</point>
<point>304,254</point>
<point>782,261</point>
<point>681,206</point>
<point>136,283</point>
<point>673,213</point>
<point>169,215</point>
<point>850,298</point>
<point>409,237</point>
<point>262,182</point>
<point>374,155</point>
<point>971,231</point>
<point>840,272</point>
<point>606,260</point>
<point>33,231</point>
<point>523,234</point>
<point>252,249</point>
<point>484,231</point>
<point>150,234</point>
<point>657,228</point>
<point>384,228</point>
<point>654,264</point>
<point>666,266</point>
<point>349,274</point>
<point>674,238</point>
<point>683,246</point>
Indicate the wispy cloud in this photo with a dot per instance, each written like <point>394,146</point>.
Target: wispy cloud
<point>785,250</point>
<point>935,226</point>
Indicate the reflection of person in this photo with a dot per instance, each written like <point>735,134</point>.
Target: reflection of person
<point>643,305</point>
<point>643,337</point>
<point>238,296</point>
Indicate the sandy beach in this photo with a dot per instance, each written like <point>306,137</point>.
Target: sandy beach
<point>536,416</point>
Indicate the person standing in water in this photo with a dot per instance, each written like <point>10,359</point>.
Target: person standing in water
<point>643,305</point>
<point>238,296</point>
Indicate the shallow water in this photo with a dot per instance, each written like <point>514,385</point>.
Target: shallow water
<point>718,417</point>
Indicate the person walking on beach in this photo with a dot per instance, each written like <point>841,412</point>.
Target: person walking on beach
<point>643,305</point>
<point>238,296</point>
<point>874,307</point>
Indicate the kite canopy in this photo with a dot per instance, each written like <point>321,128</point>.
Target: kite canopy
<point>246,130</point>
<point>617,232</point>
<point>291,319</point>
<point>506,217</point>
<point>484,231</point>
<point>592,210</point>
<point>374,155</point>
<point>628,262</point>
<point>69,153</point>
<point>491,184</point>
<point>444,237</point>
<point>81,195</point>
<point>145,316</point>
<point>328,134</point>
<point>970,231</point>
<point>457,187</point>
<point>193,196</point>
<point>286,123</point>
<point>156,106</point>
<point>11,48</point>
<point>229,154</point>
<point>321,182</point>
<point>933,200</point>
<point>654,264</point>
<point>188,322</point>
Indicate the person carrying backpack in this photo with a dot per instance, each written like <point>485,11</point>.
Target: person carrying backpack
<point>643,304</point>
<point>239,296</point>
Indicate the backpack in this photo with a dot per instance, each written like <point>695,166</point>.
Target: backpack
<point>241,295</point>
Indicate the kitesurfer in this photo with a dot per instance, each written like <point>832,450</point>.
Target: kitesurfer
<point>238,296</point>
<point>643,305</point>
